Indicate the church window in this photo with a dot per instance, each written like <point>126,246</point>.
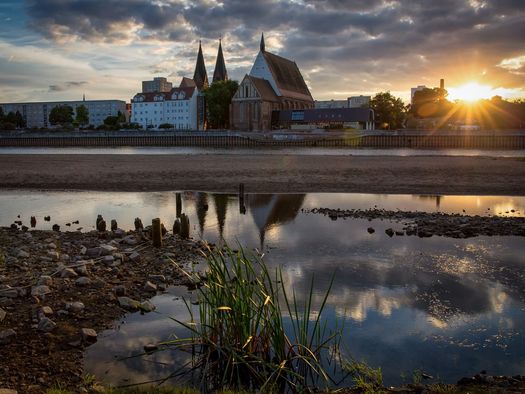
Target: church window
<point>246,90</point>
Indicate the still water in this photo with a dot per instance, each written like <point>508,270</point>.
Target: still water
<point>448,307</point>
<point>261,151</point>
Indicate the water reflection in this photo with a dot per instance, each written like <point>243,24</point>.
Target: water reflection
<point>451,307</point>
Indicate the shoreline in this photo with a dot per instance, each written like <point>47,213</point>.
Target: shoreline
<point>443,175</point>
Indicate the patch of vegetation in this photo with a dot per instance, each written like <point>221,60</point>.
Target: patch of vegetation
<point>366,379</point>
<point>239,341</point>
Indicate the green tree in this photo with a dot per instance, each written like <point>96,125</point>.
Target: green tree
<point>428,103</point>
<point>61,115</point>
<point>1,114</point>
<point>82,117</point>
<point>218,99</point>
<point>390,111</point>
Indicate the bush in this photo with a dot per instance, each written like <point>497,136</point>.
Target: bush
<point>166,126</point>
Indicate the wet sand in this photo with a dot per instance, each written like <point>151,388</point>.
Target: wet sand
<point>267,173</point>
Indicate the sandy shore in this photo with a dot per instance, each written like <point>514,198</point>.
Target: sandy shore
<point>267,173</point>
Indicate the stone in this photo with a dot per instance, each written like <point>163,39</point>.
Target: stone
<point>51,245</point>
<point>130,240</point>
<point>94,252</point>
<point>68,273</point>
<point>3,314</point>
<point>147,306</point>
<point>83,250</point>
<point>8,391</point>
<point>9,292</point>
<point>22,254</point>
<point>82,270</point>
<point>370,230</point>
<point>158,278</point>
<point>107,249</point>
<point>47,311</point>
<point>75,307</point>
<point>389,232</point>
<point>88,335</point>
<point>119,233</point>
<point>135,257</point>
<point>53,255</point>
<point>150,286</point>
<point>40,291</point>
<point>45,280</point>
<point>119,290</point>
<point>83,281</point>
<point>108,259</point>
<point>46,325</point>
<point>150,347</point>
<point>7,336</point>
<point>128,303</point>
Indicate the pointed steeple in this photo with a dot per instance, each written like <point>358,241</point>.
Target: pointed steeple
<point>263,48</point>
<point>220,73</point>
<point>200,76</point>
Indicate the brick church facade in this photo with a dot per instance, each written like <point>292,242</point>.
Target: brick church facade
<point>274,83</point>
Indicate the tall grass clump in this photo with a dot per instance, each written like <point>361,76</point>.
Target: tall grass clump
<point>240,341</point>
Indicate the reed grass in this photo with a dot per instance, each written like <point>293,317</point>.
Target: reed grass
<point>240,341</point>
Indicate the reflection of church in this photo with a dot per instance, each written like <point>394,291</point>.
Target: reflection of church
<point>274,83</point>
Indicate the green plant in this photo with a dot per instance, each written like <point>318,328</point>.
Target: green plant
<point>367,379</point>
<point>240,341</point>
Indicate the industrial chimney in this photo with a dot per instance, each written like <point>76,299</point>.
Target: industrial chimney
<point>442,84</point>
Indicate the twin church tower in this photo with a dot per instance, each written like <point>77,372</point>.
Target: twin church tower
<point>200,76</point>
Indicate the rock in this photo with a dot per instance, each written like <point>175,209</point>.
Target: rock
<point>25,228</point>
<point>370,230</point>
<point>52,255</point>
<point>7,336</point>
<point>75,307</point>
<point>119,290</point>
<point>46,325</point>
<point>82,270</point>
<point>130,240</point>
<point>68,273</point>
<point>3,314</point>
<point>389,232</point>
<point>22,254</point>
<point>108,259</point>
<point>107,249</point>
<point>128,303</point>
<point>83,250</point>
<point>119,233</point>
<point>150,347</point>
<point>9,292</point>
<point>83,281</point>
<point>176,226</point>
<point>47,311</point>
<point>158,278</point>
<point>88,335</point>
<point>8,391</point>
<point>45,280</point>
<point>150,286</point>
<point>147,306</point>
<point>94,252</point>
<point>51,245</point>
<point>40,291</point>
<point>135,257</point>
<point>55,227</point>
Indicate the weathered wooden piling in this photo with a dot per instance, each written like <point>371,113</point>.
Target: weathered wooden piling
<point>242,207</point>
<point>99,219</point>
<point>114,225</point>
<point>156,232</point>
<point>56,227</point>
<point>176,226</point>
<point>33,221</point>
<point>47,218</point>
<point>178,204</point>
<point>184,226</point>
<point>101,225</point>
<point>138,224</point>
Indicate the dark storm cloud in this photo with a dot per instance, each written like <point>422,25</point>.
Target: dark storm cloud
<point>369,36</point>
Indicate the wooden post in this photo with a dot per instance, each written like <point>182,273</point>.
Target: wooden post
<point>178,204</point>
<point>185,226</point>
<point>176,226</point>
<point>99,218</point>
<point>242,208</point>
<point>156,233</point>
<point>33,221</point>
<point>138,224</point>
<point>114,225</point>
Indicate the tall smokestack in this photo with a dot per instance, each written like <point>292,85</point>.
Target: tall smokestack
<point>442,84</point>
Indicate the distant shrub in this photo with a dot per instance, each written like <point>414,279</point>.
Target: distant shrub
<point>166,126</point>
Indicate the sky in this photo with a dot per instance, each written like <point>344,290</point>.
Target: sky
<point>62,49</point>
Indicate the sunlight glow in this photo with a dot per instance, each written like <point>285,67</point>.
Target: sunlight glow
<point>471,91</point>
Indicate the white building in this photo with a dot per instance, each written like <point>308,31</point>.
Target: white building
<point>330,104</point>
<point>37,114</point>
<point>177,107</point>
<point>359,101</point>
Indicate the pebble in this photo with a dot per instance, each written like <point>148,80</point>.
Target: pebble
<point>370,230</point>
<point>3,314</point>
<point>158,278</point>
<point>83,281</point>
<point>40,291</point>
<point>107,249</point>
<point>82,270</point>
<point>150,347</point>
<point>9,292</point>
<point>135,257</point>
<point>45,280</point>
<point>22,254</point>
<point>53,255</point>
<point>119,290</point>
<point>147,306</point>
<point>7,336</point>
<point>150,286</point>
<point>46,325</point>
<point>128,303</point>
<point>108,259</point>
<point>47,311</point>
<point>75,307</point>
<point>8,391</point>
<point>88,335</point>
<point>68,273</point>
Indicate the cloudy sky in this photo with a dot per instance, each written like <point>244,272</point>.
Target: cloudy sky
<point>60,49</point>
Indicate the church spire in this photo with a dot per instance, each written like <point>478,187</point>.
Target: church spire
<point>200,76</point>
<point>262,43</point>
<point>220,73</point>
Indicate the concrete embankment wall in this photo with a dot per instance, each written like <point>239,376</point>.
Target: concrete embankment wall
<point>225,140</point>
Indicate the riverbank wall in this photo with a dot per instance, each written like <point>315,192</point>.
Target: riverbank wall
<point>382,140</point>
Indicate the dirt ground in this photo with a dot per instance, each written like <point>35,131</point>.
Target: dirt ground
<point>267,173</point>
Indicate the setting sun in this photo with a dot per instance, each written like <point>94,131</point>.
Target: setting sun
<point>471,91</point>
